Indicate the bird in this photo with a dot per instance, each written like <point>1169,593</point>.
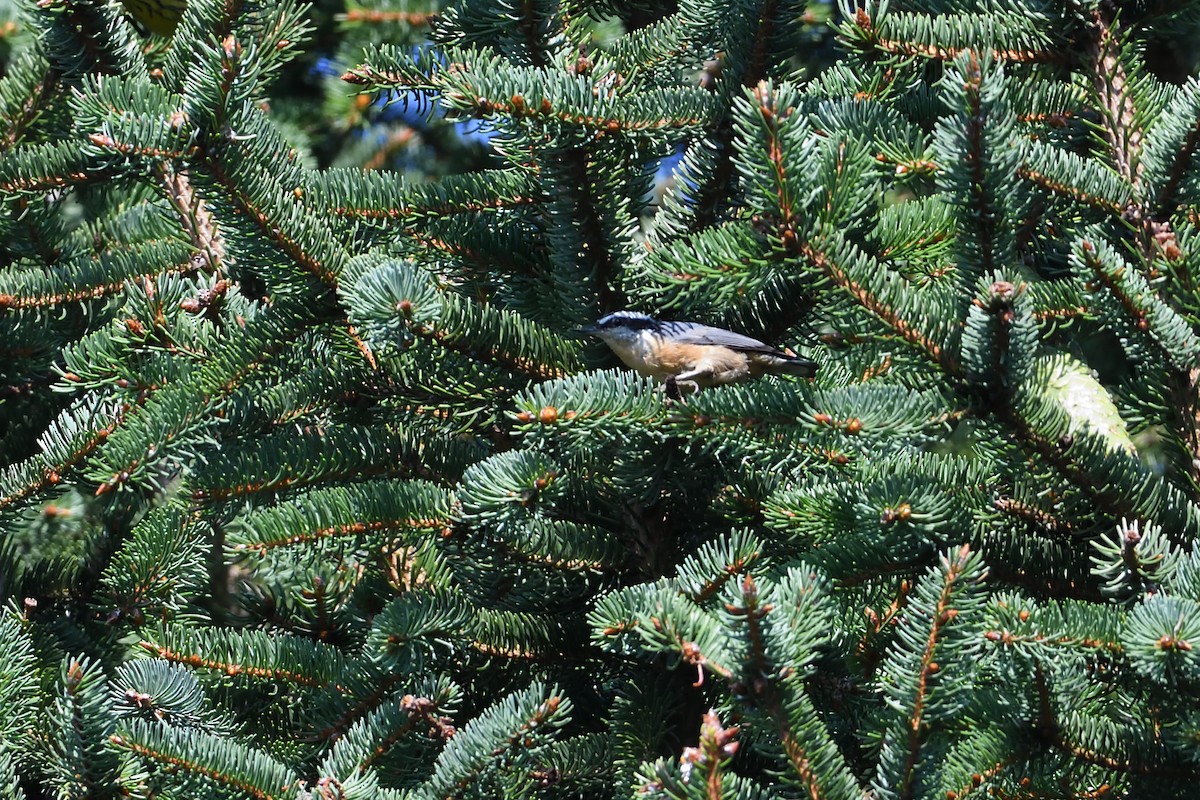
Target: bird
<point>159,17</point>
<point>691,355</point>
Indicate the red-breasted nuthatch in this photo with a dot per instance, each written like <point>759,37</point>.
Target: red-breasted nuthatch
<point>693,354</point>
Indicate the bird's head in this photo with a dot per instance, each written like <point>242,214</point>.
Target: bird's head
<point>621,326</point>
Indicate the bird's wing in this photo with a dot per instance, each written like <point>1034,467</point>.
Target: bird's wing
<point>693,333</point>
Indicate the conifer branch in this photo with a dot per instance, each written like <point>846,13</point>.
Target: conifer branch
<point>216,493</point>
<point>46,89</point>
<point>476,257</point>
<point>907,569</point>
<point>195,217</point>
<point>728,571</point>
<point>236,767</point>
<point>1008,639</point>
<point>1055,454</point>
<point>1052,735</point>
<point>710,195</point>
<point>144,440</point>
<point>771,115</point>
<point>1055,119</point>
<point>1167,197</point>
<point>1111,283</point>
<point>76,711</point>
<point>1058,187</point>
<point>193,766</point>
<point>106,142</point>
<point>1037,517</point>
<point>981,777</point>
<point>380,690</point>
<point>1110,83</point>
<point>861,294</point>
<point>594,246</point>
<point>446,208</point>
<point>519,363</point>
<point>519,654</point>
<point>1042,584</point>
<point>1176,772</point>
<point>906,48</point>
<point>262,358</point>
<point>1053,315</point>
<point>516,723</point>
<point>36,238</point>
<point>271,228</point>
<point>880,35</point>
<point>261,546</point>
<point>234,669</point>
<point>757,63</point>
<point>34,184</point>
<point>67,167</point>
<point>89,30</point>
<point>992,318</point>
<point>40,476</point>
<point>375,16</point>
<point>420,711</point>
<point>530,31</point>
<point>943,614</point>
<point>767,694</point>
<point>76,281</point>
<point>871,647</point>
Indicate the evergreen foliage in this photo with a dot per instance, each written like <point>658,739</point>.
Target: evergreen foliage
<point>310,489</point>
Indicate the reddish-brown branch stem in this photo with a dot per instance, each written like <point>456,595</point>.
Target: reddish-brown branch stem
<point>941,617</point>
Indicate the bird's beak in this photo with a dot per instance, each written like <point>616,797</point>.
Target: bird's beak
<point>587,330</point>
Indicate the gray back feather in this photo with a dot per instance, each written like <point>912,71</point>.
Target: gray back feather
<point>695,333</point>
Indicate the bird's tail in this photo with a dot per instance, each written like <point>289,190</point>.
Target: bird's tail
<point>790,364</point>
<point>781,362</point>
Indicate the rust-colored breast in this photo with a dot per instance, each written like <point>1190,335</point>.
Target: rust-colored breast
<point>675,359</point>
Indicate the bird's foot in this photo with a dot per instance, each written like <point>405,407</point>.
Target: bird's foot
<point>677,390</point>
<point>671,390</point>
